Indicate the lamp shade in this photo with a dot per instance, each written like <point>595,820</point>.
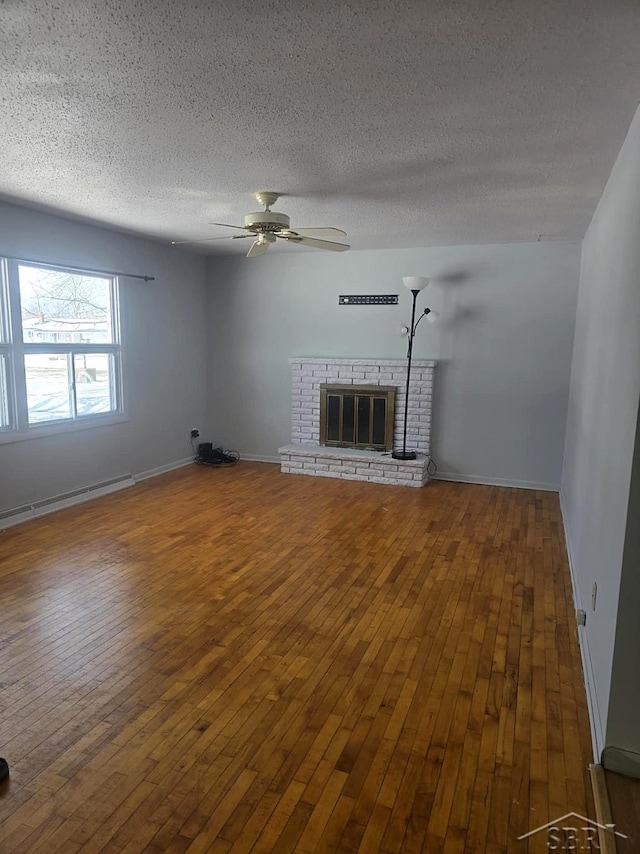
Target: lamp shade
<point>433,316</point>
<point>415,283</point>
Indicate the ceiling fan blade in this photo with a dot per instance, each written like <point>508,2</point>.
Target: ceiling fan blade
<point>205,239</point>
<point>257,248</point>
<point>227,225</point>
<point>319,232</point>
<point>318,244</point>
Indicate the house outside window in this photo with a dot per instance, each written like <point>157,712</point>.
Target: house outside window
<point>60,351</point>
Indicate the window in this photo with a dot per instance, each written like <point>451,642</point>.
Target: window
<point>60,354</point>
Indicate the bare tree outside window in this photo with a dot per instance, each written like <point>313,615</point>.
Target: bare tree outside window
<point>69,295</point>
<point>56,303</point>
<point>66,322</point>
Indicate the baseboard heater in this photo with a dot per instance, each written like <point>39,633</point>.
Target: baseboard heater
<point>66,499</point>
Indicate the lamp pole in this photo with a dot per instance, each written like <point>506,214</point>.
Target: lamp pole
<point>415,284</point>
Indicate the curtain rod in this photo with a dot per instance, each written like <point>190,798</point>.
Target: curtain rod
<point>78,269</point>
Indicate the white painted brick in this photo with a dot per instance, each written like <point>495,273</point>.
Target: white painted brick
<point>307,373</point>
<point>365,470</point>
<point>404,478</point>
<point>316,466</point>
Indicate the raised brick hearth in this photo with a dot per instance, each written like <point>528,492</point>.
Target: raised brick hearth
<point>306,456</point>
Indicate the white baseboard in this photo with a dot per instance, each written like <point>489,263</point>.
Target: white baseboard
<point>497,481</point>
<point>26,512</point>
<point>595,719</point>
<point>145,475</point>
<point>459,478</point>
<point>61,502</point>
<point>16,517</point>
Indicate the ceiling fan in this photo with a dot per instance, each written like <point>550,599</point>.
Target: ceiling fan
<point>266,226</point>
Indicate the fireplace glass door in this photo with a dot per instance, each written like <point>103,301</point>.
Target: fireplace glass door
<point>357,416</point>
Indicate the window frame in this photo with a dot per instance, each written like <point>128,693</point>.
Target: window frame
<point>13,350</point>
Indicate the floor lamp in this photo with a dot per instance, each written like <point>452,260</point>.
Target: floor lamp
<point>415,284</point>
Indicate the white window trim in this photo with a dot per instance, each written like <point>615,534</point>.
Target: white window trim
<point>14,349</point>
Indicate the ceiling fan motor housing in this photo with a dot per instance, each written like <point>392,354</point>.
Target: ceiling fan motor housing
<point>266,221</point>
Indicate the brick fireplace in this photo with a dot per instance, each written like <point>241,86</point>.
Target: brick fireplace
<point>305,454</point>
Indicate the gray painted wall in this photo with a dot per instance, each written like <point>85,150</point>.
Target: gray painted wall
<point>164,340</point>
<point>623,727</point>
<point>504,346</point>
<point>601,432</point>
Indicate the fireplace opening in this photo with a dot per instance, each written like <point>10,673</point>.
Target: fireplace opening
<point>357,416</point>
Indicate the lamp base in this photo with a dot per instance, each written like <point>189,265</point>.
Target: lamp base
<point>404,455</point>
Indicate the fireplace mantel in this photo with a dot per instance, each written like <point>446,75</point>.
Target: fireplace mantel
<point>306,456</point>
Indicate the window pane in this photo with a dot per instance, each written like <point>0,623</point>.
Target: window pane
<point>48,392</point>
<point>4,312</point>
<point>94,386</point>
<point>4,395</point>
<point>64,307</point>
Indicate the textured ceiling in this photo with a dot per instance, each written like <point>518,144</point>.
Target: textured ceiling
<point>404,123</point>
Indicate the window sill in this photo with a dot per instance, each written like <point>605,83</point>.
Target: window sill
<point>41,432</point>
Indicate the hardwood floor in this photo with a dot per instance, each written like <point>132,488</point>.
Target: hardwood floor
<point>240,660</point>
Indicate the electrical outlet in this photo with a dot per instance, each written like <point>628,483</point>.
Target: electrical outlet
<point>195,433</point>
<point>594,595</point>
<point>581,617</point>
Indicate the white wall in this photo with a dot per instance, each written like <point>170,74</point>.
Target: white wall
<point>503,346</point>
<point>601,430</point>
<point>164,340</point>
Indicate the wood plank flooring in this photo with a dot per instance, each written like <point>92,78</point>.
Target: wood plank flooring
<point>239,660</point>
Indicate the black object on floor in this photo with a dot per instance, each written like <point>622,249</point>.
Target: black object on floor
<point>4,769</point>
<point>210,456</point>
